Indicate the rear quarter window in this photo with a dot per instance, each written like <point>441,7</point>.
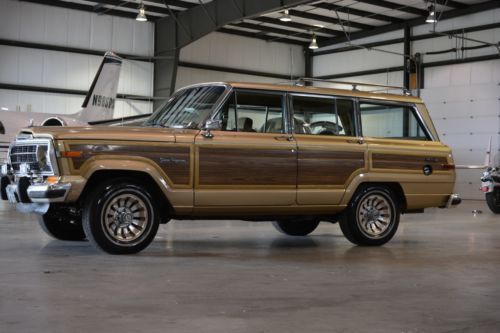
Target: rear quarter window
<point>391,121</point>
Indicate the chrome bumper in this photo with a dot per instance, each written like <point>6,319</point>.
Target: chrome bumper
<point>453,201</point>
<point>37,193</point>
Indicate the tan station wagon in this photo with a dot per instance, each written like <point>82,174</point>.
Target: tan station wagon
<point>294,155</point>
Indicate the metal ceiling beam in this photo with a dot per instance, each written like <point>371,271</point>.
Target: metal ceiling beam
<point>175,3</point>
<point>284,32</point>
<point>480,7</point>
<point>296,25</point>
<point>451,3</point>
<point>395,6</point>
<point>194,23</point>
<point>267,38</point>
<point>328,19</point>
<point>132,5</point>
<point>357,12</point>
<point>82,7</point>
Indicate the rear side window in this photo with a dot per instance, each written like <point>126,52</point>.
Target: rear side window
<point>251,111</point>
<point>318,115</point>
<point>390,121</point>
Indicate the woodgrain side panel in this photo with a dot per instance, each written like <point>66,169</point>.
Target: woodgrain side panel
<point>174,161</point>
<point>408,162</point>
<point>318,167</point>
<point>240,166</point>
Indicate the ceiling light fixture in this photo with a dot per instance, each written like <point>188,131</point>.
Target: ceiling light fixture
<point>141,16</point>
<point>432,15</point>
<point>314,44</point>
<point>285,17</point>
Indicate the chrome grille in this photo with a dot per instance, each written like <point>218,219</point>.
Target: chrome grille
<point>27,152</point>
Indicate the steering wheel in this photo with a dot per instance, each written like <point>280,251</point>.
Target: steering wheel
<point>325,127</point>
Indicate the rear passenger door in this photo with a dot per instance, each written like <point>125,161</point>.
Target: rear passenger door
<point>330,153</point>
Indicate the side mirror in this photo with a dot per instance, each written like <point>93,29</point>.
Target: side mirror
<point>211,125</point>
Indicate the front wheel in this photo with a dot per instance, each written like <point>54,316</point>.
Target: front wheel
<point>372,216</point>
<point>119,217</point>
<point>493,200</point>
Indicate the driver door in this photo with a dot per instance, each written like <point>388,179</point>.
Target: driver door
<point>252,160</point>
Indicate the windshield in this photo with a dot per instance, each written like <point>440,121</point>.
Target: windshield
<point>188,108</point>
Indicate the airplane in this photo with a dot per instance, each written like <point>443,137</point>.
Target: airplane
<point>98,105</point>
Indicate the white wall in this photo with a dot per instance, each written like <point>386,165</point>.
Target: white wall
<point>464,102</point>
<point>226,50</point>
<point>22,21</point>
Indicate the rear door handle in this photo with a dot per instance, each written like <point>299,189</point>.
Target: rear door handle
<point>284,138</point>
<point>357,140</point>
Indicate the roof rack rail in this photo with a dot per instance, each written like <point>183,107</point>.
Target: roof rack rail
<point>302,80</point>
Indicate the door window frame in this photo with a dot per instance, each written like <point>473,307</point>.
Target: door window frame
<point>331,97</point>
<point>284,106</point>
<point>411,106</point>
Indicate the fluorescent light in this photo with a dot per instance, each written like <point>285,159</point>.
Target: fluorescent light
<point>141,16</point>
<point>3,108</point>
<point>321,26</point>
<point>285,17</point>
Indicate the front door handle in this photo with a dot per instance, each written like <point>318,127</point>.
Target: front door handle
<point>357,140</point>
<point>284,138</point>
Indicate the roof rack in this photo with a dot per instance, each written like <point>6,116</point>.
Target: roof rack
<point>302,80</point>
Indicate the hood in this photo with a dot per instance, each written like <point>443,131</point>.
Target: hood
<point>104,133</point>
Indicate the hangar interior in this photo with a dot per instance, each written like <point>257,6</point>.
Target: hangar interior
<point>49,53</point>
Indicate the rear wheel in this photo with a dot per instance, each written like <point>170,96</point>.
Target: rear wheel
<point>120,217</point>
<point>60,224</point>
<point>493,200</point>
<point>296,227</point>
<point>372,217</point>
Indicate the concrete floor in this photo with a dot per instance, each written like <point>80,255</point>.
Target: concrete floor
<point>441,273</point>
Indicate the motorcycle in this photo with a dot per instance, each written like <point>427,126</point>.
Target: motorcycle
<point>490,185</point>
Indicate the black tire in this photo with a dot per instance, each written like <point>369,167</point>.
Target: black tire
<point>372,216</point>
<point>296,227</point>
<point>493,200</point>
<point>59,224</point>
<point>120,217</point>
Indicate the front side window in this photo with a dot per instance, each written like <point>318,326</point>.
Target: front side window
<point>250,111</point>
<point>188,108</point>
<point>391,121</point>
<point>318,115</point>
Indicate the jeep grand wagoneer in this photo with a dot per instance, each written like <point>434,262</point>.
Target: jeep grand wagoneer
<point>293,155</point>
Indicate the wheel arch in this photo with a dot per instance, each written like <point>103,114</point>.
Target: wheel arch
<point>140,177</point>
<point>395,187</point>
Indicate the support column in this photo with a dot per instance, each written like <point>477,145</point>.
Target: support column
<point>308,64</point>
<point>166,60</point>
<point>407,60</point>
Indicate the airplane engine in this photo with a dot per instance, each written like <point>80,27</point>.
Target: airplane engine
<point>54,121</point>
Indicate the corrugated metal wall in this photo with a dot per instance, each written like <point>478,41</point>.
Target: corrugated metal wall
<point>27,22</point>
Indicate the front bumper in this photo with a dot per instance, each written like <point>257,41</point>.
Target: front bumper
<point>25,192</point>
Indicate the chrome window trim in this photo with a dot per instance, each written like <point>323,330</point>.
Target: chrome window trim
<point>412,106</point>
<point>333,97</point>
<point>284,104</point>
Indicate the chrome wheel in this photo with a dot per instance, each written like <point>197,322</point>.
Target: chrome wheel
<point>374,215</point>
<point>125,218</point>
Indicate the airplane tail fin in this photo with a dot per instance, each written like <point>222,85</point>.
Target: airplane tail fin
<point>99,102</point>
